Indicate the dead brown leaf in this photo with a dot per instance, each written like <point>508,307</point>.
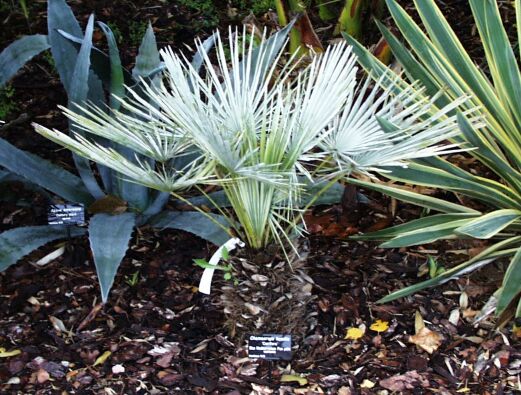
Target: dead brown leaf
<point>427,340</point>
<point>407,381</point>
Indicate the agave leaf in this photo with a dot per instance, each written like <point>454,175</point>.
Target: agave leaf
<point>414,225</point>
<point>18,242</point>
<point>156,205</point>
<point>17,54</point>
<point>194,222</point>
<point>60,17</point>
<point>206,46</point>
<point>78,94</point>
<point>496,251</point>
<point>511,288</point>
<point>43,173</point>
<point>147,63</point>
<point>100,61</point>
<point>490,224</point>
<point>117,79</point>
<point>147,60</point>
<point>217,198</point>
<point>273,46</point>
<point>109,236</point>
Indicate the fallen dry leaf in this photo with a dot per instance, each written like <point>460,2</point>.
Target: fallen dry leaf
<point>379,326</point>
<point>367,384</point>
<point>407,381</point>
<point>427,340</point>
<point>102,358</point>
<point>287,378</point>
<point>354,333</point>
<point>7,354</point>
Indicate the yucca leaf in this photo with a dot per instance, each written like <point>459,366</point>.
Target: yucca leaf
<point>511,288</point>
<point>43,173</point>
<point>417,224</point>
<point>414,198</point>
<point>412,67</point>
<point>490,254</point>
<point>194,222</point>
<point>447,45</point>
<point>429,234</point>
<point>488,191</point>
<point>501,61</point>
<point>109,236</point>
<point>18,53</point>
<point>18,242</point>
<point>490,224</point>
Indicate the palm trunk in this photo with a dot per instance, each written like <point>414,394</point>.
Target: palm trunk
<point>269,297</point>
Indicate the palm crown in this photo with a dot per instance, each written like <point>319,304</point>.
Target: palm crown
<point>258,130</point>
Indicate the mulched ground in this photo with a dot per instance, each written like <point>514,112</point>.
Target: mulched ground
<point>158,335</point>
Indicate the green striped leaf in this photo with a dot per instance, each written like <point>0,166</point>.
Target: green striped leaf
<point>490,254</point>
<point>414,225</point>
<point>490,224</point>
<point>414,198</point>
<point>511,288</point>
<point>425,235</point>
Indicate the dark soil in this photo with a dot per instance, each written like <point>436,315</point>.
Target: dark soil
<point>158,335</point>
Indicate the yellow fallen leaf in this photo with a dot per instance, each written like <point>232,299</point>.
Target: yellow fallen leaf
<point>354,334</point>
<point>418,322</point>
<point>102,358</point>
<point>367,384</point>
<point>464,389</point>
<point>379,326</point>
<point>286,378</point>
<point>427,340</point>
<point>7,354</point>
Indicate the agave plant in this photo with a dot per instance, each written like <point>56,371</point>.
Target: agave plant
<point>260,130</point>
<point>439,61</point>
<point>84,70</point>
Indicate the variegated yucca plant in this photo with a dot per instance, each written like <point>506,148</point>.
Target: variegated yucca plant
<point>262,133</point>
<point>438,60</point>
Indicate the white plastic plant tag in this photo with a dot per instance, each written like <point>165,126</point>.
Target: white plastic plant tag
<point>206,279</point>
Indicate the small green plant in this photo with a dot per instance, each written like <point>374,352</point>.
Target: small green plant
<point>133,279</point>
<point>205,13</point>
<point>226,269</point>
<point>117,33</point>
<point>7,105</point>
<point>136,30</point>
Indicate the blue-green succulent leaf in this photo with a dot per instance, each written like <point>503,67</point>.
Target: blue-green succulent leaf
<point>109,236</point>
<point>18,242</point>
<point>43,173</point>
<point>19,53</point>
<point>194,222</point>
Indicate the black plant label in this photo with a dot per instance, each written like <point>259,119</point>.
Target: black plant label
<point>66,214</point>
<point>269,346</point>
